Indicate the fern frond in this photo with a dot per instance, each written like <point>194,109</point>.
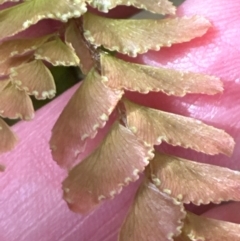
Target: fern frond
<point>17,47</point>
<point>133,37</point>
<point>145,79</point>
<point>28,13</point>
<point>154,214</point>
<point>78,121</point>
<point>154,126</point>
<point>8,64</point>
<point>193,180</point>
<point>127,150</point>
<point>8,139</point>
<point>155,6</point>
<point>200,228</point>
<point>57,53</point>
<point>120,157</point>
<point>15,103</point>
<point>34,78</point>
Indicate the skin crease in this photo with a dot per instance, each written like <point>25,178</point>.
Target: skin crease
<point>30,188</point>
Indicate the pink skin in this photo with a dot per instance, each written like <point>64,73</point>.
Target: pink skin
<point>31,204</point>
